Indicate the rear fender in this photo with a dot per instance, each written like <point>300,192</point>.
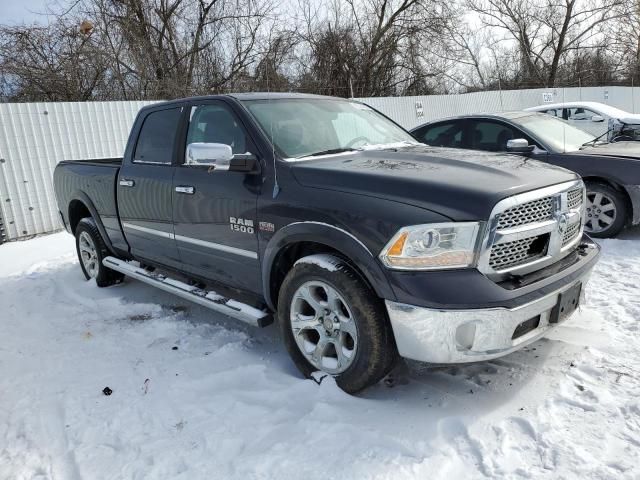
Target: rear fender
<point>84,198</point>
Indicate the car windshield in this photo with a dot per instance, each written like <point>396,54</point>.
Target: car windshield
<point>306,127</point>
<point>556,133</point>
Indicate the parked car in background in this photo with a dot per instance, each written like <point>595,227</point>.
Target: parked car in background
<point>596,118</point>
<point>611,171</point>
<point>326,215</point>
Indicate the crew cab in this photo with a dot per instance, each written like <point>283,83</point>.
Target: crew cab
<point>326,216</point>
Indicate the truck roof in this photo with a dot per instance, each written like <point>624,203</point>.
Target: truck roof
<point>247,96</point>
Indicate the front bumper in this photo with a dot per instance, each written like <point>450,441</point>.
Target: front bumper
<point>468,335</point>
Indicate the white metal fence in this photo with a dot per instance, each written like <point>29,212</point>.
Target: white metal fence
<point>413,111</point>
<point>35,136</point>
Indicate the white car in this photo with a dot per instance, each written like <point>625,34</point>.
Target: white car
<point>596,118</point>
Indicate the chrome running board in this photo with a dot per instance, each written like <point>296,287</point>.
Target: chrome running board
<point>206,298</point>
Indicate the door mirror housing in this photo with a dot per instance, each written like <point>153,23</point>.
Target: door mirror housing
<point>217,155</point>
<point>519,145</point>
<point>220,157</point>
<point>597,118</point>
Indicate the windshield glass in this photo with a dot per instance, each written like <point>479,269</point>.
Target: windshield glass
<point>556,133</point>
<point>302,127</point>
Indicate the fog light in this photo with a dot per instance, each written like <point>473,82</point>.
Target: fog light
<point>465,335</point>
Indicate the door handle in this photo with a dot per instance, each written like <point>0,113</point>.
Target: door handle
<point>126,183</point>
<point>186,189</point>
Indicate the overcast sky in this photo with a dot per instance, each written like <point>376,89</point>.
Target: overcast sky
<point>22,11</point>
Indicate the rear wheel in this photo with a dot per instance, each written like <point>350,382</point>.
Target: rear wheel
<point>91,251</point>
<point>606,210</point>
<point>332,322</point>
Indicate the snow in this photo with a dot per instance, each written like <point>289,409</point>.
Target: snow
<point>321,260</point>
<point>228,403</point>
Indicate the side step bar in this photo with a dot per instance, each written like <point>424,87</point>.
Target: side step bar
<point>206,298</point>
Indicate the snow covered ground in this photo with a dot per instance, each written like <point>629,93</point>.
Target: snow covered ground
<point>227,403</point>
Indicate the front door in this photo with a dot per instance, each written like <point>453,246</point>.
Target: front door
<point>214,212</point>
<point>145,189</point>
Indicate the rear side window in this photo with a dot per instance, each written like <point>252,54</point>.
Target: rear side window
<point>157,137</point>
<point>442,135</point>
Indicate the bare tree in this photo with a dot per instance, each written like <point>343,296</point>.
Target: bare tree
<point>546,31</point>
<point>624,35</point>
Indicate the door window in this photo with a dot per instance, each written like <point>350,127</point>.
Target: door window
<point>215,123</point>
<point>442,135</point>
<point>579,114</point>
<point>157,137</point>
<point>491,136</point>
<point>554,112</point>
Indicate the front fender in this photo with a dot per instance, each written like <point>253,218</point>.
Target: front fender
<point>331,236</point>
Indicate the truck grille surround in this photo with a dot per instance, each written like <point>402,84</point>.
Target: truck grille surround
<point>529,231</point>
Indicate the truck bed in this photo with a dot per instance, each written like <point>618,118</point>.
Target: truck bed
<point>91,183</point>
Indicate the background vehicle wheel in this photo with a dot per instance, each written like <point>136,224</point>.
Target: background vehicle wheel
<point>332,322</point>
<point>606,210</point>
<point>91,250</point>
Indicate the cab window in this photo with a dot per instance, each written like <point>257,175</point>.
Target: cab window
<point>215,123</point>
<point>157,137</point>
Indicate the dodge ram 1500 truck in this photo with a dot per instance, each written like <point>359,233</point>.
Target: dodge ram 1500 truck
<point>325,214</point>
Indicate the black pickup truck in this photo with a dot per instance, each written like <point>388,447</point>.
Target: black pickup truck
<point>323,213</point>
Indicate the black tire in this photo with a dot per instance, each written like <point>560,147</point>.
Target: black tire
<point>104,276</point>
<point>594,224</point>
<point>376,353</point>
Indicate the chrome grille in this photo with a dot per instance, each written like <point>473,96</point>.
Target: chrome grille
<point>512,254</point>
<point>570,233</point>
<point>531,212</point>
<point>574,198</point>
<point>532,230</point>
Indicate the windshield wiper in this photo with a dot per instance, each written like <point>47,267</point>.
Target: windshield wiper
<point>593,142</point>
<point>331,151</point>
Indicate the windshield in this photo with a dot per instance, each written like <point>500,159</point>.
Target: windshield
<point>556,133</point>
<point>303,127</point>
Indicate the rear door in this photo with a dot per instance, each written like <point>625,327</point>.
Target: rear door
<point>214,211</point>
<point>145,188</point>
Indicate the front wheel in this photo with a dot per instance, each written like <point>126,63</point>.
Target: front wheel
<point>606,210</point>
<point>331,321</point>
<point>91,251</point>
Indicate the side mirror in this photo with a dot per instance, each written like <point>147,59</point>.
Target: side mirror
<point>217,155</point>
<point>597,118</point>
<point>220,157</point>
<point>519,145</point>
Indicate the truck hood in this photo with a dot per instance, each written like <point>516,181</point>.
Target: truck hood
<point>460,184</point>
<point>630,150</point>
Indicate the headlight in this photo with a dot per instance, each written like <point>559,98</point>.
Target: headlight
<point>432,246</point>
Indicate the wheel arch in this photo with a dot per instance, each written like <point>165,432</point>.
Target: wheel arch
<point>81,206</point>
<point>300,239</point>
